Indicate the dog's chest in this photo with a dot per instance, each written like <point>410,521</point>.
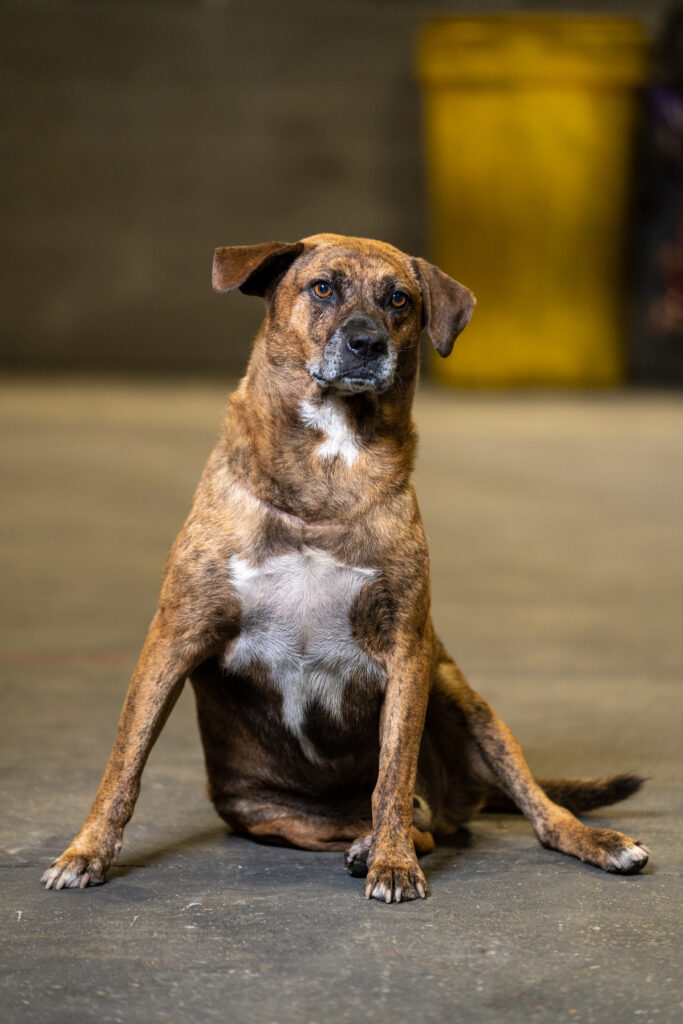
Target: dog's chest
<point>296,621</point>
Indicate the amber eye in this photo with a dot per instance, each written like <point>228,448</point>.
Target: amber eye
<point>322,289</point>
<point>399,300</point>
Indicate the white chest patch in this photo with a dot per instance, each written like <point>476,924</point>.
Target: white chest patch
<point>295,619</point>
<point>330,417</point>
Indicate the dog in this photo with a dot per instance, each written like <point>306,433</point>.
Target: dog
<point>296,600</point>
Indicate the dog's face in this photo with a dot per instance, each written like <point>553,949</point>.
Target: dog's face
<point>348,310</point>
<point>355,308</point>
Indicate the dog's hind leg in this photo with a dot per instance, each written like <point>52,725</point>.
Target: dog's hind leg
<point>460,722</point>
<point>282,827</point>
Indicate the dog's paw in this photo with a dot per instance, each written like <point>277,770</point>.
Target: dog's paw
<point>628,857</point>
<point>76,869</point>
<point>615,852</point>
<point>356,857</point>
<point>386,882</point>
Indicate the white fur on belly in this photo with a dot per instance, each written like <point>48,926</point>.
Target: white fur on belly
<point>295,619</point>
<point>330,417</point>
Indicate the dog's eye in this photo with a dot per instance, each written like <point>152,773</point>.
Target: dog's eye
<point>322,290</point>
<point>399,300</point>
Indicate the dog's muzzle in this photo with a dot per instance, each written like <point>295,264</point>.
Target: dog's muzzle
<point>359,356</point>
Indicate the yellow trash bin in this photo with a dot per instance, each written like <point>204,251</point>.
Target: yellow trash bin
<point>529,126</point>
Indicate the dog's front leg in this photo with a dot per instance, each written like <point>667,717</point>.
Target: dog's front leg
<point>393,871</point>
<point>154,688</point>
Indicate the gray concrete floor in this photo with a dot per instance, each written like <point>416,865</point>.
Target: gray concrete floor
<point>555,525</point>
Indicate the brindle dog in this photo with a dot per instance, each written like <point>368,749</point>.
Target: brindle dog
<point>296,599</point>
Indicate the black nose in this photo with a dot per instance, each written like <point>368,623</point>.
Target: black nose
<point>367,344</point>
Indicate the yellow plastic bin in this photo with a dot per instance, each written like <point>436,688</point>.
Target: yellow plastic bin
<point>529,127</point>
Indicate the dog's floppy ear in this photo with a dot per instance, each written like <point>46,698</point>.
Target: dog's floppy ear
<point>446,304</point>
<point>254,269</point>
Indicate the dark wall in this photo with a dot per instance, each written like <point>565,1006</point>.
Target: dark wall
<point>138,136</point>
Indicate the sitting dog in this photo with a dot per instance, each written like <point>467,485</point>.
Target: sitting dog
<point>296,599</point>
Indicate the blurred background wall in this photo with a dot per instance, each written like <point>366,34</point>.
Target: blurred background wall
<point>139,135</point>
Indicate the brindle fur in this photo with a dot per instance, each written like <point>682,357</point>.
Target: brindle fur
<point>413,752</point>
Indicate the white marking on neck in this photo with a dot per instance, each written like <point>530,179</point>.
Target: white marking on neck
<point>330,417</point>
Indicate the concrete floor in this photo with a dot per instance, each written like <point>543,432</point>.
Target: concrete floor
<point>555,525</point>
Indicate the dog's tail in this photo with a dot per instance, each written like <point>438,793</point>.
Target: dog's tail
<point>576,795</point>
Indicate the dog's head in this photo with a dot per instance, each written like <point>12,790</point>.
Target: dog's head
<point>347,310</point>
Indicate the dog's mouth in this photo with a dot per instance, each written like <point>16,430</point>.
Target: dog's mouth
<point>358,357</point>
<point>350,384</point>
